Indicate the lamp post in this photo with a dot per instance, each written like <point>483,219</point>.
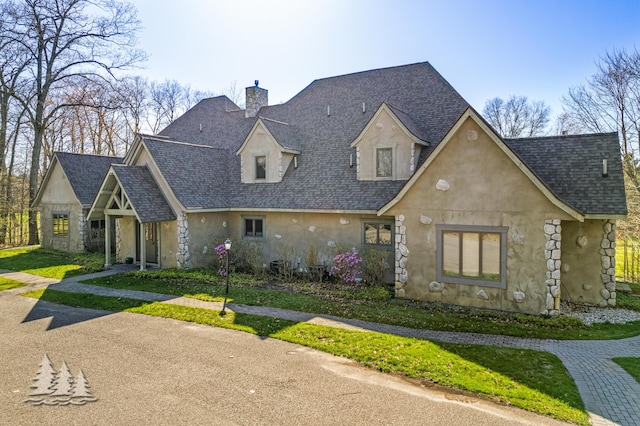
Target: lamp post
<point>227,248</point>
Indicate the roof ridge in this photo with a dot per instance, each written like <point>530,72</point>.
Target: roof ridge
<point>577,135</point>
<point>189,144</point>
<point>85,155</point>
<point>272,120</point>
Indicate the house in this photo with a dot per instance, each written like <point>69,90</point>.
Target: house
<point>393,160</point>
<point>65,196</point>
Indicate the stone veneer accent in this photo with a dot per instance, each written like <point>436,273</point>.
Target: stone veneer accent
<point>402,255</point>
<point>182,255</point>
<point>552,252</point>
<point>608,263</point>
<point>118,240</point>
<point>82,231</point>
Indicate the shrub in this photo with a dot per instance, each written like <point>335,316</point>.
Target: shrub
<point>375,265</point>
<point>347,266</point>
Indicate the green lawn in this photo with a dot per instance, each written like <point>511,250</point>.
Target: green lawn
<point>366,305</point>
<point>6,284</point>
<point>50,263</point>
<point>535,381</point>
<point>630,365</point>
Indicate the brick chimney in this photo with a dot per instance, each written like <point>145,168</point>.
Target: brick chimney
<point>256,98</point>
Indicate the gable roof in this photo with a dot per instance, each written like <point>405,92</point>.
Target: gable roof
<point>84,173</point>
<point>145,197</point>
<point>470,113</point>
<point>322,121</point>
<point>197,153</point>
<point>198,175</point>
<point>572,167</point>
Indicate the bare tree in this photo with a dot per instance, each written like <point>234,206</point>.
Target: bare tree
<point>610,102</point>
<point>66,40</point>
<point>517,117</point>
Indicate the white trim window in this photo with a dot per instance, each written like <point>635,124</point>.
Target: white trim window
<point>261,167</point>
<point>384,163</point>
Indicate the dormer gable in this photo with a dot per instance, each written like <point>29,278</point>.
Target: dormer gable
<point>389,146</point>
<point>267,151</point>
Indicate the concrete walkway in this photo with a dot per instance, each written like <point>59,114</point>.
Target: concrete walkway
<point>611,396</point>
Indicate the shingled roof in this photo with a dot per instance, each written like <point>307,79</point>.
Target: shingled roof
<point>321,122</point>
<point>196,154</point>
<point>85,173</point>
<point>572,167</point>
<point>145,196</point>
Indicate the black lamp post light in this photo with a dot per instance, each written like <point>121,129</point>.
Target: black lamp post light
<point>227,248</point>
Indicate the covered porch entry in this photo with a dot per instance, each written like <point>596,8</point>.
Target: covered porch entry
<point>130,194</point>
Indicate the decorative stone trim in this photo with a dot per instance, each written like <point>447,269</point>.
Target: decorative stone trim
<point>82,231</point>
<point>241,169</point>
<point>442,185</point>
<point>280,171</point>
<point>608,263</point>
<point>358,162</point>
<point>413,157</point>
<point>182,255</point>
<point>552,254</point>
<point>118,239</point>
<point>402,256</point>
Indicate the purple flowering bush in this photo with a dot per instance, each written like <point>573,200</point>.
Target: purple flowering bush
<point>347,266</point>
<point>221,253</point>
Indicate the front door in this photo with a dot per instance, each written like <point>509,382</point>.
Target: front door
<point>151,240</point>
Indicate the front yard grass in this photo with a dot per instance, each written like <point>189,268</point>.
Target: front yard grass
<point>367,305</point>
<point>6,284</point>
<point>631,365</point>
<point>532,380</point>
<point>50,263</point>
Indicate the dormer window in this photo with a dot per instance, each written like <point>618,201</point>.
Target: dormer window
<point>261,167</point>
<point>267,151</point>
<point>388,147</point>
<point>384,162</point>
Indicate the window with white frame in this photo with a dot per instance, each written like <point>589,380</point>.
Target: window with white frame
<point>473,255</point>
<point>384,162</point>
<point>261,167</point>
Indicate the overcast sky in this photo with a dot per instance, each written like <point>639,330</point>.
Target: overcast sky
<point>484,48</point>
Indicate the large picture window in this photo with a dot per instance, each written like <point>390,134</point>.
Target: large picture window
<point>473,255</point>
<point>61,225</point>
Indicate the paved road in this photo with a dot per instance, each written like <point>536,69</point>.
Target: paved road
<point>611,395</point>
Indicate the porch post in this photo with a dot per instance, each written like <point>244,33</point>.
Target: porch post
<point>143,248</point>
<point>107,242</point>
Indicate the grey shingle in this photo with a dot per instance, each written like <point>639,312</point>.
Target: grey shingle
<point>144,194</point>
<point>571,166</point>
<point>323,179</point>
<point>85,173</point>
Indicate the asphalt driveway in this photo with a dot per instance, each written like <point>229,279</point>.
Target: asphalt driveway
<point>145,370</point>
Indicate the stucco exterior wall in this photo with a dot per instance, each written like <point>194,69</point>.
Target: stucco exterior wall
<point>58,197</point>
<point>292,233</point>
<point>385,132</point>
<point>127,238</point>
<point>587,277</point>
<point>473,182</point>
<point>261,143</point>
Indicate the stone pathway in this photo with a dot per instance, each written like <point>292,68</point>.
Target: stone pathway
<point>611,396</point>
